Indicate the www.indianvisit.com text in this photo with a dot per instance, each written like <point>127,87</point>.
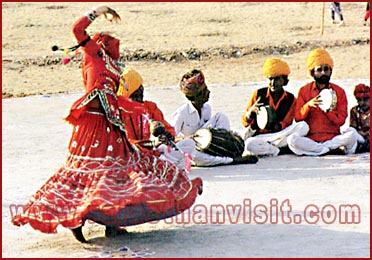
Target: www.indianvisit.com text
<point>275,212</point>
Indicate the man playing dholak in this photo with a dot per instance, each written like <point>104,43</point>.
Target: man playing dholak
<point>267,136</point>
<point>145,123</point>
<point>324,122</point>
<point>196,115</point>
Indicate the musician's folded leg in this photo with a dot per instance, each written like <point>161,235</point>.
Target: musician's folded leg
<point>260,147</point>
<point>348,140</point>
<point>305,146</point>
<point>178,157</point>
<point>204,159</point>
<point>186,146</point>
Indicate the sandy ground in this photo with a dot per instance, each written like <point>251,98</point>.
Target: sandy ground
<point>35,142</point>
<point>258,30</point>
<point>35,138</point>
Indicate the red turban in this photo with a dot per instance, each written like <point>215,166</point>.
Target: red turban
<point>192,82</point>
<point>361,91</point>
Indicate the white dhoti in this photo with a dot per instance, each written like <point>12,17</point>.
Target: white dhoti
<point>188,124</point>
<point>359,137</point>
<point>204,159</point>
<point>178,157</point>
<point>270,144</point>
<point>305,146</point>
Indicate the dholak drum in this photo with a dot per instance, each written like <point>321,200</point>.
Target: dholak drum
<point>328,98</point>
<point>265,116</point>
<point>219,142</point>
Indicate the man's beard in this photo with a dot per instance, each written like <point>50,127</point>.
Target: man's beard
<point>323,79</point>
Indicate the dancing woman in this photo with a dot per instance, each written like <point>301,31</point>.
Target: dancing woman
<point>105,178</point>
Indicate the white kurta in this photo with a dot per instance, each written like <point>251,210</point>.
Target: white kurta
<point>186,121</point>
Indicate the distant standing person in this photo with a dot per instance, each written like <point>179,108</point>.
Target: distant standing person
<point>336,8</point>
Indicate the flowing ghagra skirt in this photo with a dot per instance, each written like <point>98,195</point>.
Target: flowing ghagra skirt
<point>109,181</point>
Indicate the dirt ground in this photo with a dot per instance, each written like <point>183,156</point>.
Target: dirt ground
<point>229,42</point>
<point>32,152</point>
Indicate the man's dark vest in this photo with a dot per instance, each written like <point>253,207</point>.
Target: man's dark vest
<point>283,107</point>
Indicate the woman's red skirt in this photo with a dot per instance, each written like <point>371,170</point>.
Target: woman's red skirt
<point>109,181</point>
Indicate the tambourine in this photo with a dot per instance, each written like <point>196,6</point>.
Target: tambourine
<point>328,98</point>
<point>265,116</point>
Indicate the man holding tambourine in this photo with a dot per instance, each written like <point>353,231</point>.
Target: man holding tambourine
<point>269,114</point>
<point>323,106</point>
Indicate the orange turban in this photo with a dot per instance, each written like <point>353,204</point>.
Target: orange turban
<point>130,81</point>
<point>275,67</point>
<point>361,91</point>
<point>318,57</point>
<point>192,82</point>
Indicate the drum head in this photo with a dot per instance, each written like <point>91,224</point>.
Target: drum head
<point>262,117</point>
<point>328,98</point>
<point>202,138</point>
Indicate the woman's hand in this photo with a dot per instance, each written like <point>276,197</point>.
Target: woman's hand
<point>113,15</point>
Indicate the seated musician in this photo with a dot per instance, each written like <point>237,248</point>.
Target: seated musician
<point>268,137</point>
<point>196,114</point>
<point>145,122</point>
<point>360,118</point>
<point>324,136</point>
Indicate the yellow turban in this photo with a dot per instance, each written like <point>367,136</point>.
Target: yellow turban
<point>275,67</point>
<point>130,81</point>
<point>318,57</point>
